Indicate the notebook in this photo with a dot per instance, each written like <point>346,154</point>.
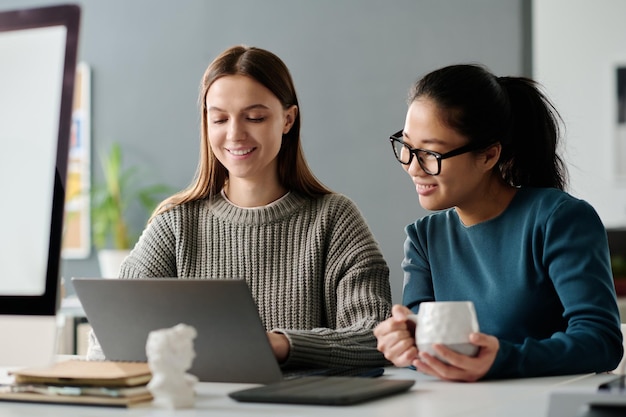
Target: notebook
<point>102,383</point>
<point>324,390</point>
<point>69,396</point>
<point>74,372</point>
<point>231,343</point>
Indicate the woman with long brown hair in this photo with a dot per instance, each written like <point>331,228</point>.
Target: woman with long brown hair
<point>256,211</point>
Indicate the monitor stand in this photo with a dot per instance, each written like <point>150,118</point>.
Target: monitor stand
<point>31,341</point>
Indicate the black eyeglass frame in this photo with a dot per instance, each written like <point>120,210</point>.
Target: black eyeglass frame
<point>397,137</point>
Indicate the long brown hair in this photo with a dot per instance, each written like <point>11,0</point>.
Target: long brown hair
<point>269,70</point>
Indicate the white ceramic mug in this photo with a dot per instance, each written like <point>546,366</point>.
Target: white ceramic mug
<point>448,323</point>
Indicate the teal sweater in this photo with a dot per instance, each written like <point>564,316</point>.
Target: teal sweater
<point>539,275</point>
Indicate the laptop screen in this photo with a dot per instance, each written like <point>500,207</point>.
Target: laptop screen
<point>38,49</point>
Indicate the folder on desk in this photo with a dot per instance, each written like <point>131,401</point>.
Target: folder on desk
<point>104,383</point>
<point>73,399</point>
<point>87,373</point>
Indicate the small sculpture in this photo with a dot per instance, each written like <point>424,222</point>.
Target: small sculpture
<point>170,354</point>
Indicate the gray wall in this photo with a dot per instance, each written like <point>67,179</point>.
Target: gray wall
<point>352,61</point>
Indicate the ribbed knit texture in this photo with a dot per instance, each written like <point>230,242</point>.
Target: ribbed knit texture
<point>313,267</point>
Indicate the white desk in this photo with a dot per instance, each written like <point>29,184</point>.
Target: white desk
<point>428,398</point>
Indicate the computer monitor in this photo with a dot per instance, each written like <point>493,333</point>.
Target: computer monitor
<point>38,49</point>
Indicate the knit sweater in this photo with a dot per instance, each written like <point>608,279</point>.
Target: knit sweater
<point>538,274</point>
<point>313,267</point>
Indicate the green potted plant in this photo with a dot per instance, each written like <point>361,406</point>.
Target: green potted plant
<point>110,201</point>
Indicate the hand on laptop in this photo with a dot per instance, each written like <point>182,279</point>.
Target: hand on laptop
<point>280,345</point>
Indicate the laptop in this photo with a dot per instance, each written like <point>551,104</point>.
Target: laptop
<point>231,343</point>
<point>607,400</point>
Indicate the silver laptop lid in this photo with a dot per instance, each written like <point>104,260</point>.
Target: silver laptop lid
<point>231,345</point>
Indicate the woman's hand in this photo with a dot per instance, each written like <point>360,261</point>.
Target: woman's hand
<point>280,345</point>
<point>396,337</point>
<point>460,367</point>
<point>396,340</point>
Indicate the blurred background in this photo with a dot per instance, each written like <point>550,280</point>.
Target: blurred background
<point>352,61</point>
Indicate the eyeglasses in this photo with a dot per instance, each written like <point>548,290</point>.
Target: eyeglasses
<point>429,161</point>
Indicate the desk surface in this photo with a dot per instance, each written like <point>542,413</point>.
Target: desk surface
<point>427,398</point>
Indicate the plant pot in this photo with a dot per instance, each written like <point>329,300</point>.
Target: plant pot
<point>110,261</point>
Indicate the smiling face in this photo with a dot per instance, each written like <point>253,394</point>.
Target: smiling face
<point>461,176</point>
<point>245,127</point>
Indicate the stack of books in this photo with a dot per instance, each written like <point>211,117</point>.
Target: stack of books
<point>103,383</point>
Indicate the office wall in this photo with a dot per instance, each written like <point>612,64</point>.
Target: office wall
<point>575,59</point>
<point>352,61</point>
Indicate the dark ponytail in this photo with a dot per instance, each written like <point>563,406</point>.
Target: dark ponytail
<point>509,110</point>
<point>531,158</point>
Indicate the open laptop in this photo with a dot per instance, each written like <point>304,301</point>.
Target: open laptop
<point>231,344</point>
<point>38,50</point>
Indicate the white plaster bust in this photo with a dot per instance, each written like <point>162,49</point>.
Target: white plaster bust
<point>170,354</point>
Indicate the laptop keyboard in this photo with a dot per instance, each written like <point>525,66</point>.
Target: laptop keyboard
<point>366,372</point>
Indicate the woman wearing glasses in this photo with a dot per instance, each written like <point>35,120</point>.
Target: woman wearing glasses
<point>256,211</point>
<point>482,153</point>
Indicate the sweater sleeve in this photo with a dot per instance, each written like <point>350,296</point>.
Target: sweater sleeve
<point>576,258</point>
<point>154,254</point>
<point>357,297</point>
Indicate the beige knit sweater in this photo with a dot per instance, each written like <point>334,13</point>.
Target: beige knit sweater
<point>313,266</point>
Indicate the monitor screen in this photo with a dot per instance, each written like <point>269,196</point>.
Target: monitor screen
<point>38,49</point>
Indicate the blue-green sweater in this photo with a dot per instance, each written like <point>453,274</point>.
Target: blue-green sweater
<point>539,275</point>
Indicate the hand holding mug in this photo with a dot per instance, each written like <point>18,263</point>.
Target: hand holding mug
<point>396,337</point>
<point>449,343</point>
<point>396,340</point>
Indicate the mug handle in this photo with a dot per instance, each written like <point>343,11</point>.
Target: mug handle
<point>414,318</point>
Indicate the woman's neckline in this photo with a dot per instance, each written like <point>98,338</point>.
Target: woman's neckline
<point>272,203</point>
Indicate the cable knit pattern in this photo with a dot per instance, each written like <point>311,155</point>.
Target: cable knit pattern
<point>313,267</point>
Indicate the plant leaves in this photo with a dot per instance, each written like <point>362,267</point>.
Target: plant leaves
<point>111,199</point>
